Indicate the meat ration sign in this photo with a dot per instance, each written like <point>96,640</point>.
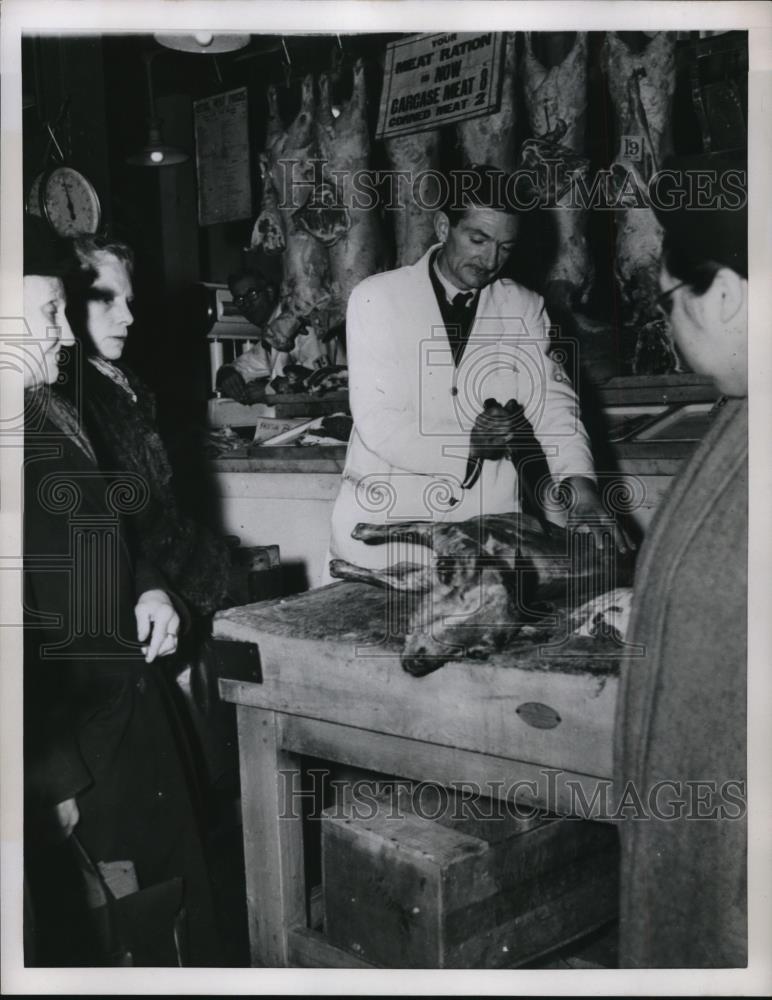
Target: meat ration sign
<point>433,80</point>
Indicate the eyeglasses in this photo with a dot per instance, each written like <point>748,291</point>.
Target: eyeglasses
<point>250,297</point>
<point>665,301</point>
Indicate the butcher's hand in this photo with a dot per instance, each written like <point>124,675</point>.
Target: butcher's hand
<point>158,624</point>
<point>588,514</point>
<point>231,383</point>
<point>492,430</point>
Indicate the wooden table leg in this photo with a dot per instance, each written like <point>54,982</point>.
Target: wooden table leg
<point>273,841</point>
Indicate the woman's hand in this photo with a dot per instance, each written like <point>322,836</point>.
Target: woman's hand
<point>157,619</point>
<point>64,819</point>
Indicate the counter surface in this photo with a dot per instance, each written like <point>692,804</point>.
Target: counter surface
<point>333,654</point>
<point>293,458</point>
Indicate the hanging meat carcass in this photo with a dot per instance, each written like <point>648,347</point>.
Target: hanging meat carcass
<point>484,581</point>
<point>269,229</point>
<point>344,146</point>
<point>491,138</point>
<point>641,81</point>
<point>555,95</point>
<point>413,220</point>
<point>290,156</point>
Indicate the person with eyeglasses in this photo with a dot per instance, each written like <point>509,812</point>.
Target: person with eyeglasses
<point>257,299</point>
<point>681,720</point>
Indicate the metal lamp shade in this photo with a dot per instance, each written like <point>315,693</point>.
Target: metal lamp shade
<point>155,152</point>
<point>204,42</point>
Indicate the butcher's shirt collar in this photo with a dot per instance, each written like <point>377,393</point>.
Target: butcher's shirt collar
<point>448,287</point>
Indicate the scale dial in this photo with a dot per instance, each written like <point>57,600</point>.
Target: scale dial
<point>67,201</point>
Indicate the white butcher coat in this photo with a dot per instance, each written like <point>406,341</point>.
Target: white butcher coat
<point>308,351</point>
<point>413,409</point>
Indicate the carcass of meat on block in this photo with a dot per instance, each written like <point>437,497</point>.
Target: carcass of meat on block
<point>487,579</point>
<point>290,155</point>
<point>415,155</point>
<point>344,147</point>
<point>491,139</point>
<point>555,96</point>
<point>641,85</point>
<point>608,614</point>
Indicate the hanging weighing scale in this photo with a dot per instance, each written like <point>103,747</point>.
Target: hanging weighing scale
<point>63,196</point>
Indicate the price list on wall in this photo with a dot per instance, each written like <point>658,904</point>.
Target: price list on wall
<point>434,80</point>
<point>222,157</point>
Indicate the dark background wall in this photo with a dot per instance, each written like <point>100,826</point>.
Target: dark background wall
<point>155,210</point>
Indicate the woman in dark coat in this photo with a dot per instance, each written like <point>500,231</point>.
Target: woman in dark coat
<point>103,752</point>
<point>681,724</point>
<point>119,415</point>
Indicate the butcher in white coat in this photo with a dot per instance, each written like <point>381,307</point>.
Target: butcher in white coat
<point>421,364</point>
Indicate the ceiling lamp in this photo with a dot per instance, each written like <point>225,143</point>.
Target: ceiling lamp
<point>155,152</point>
<point>204,42</point>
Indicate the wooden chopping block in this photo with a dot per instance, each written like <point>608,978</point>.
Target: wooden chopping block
<point>333,654</point>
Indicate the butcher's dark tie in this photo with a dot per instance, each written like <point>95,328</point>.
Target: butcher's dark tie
<point>457,314</point>
<point>462,310</point>
<point>462,301</point>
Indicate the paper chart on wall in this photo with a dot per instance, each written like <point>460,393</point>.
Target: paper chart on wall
<point>222,157</point>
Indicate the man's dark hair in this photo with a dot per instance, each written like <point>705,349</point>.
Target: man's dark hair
<point>689,268</point>
<point>699,241</point>
<point>258,279</point>
<point>478,185</point>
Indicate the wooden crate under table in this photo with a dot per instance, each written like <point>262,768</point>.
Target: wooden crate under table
<point>404,891</point>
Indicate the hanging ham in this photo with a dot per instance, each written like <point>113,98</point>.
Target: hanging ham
<point>344,146</point>
<point>641,82</point>
<point>555,96</point>
<point>491,139</point>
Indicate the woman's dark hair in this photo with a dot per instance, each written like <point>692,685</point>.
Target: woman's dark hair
<point>44,253</point>
<point>697,273</point>
<point>85,255</point>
